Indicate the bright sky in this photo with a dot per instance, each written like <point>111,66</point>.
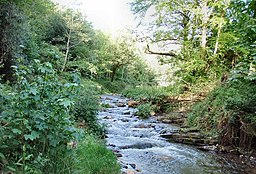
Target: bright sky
<point>107,15</point>
<point>111,16</point>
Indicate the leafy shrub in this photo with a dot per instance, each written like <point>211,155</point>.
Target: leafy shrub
<point>94,158</point>
<point>35,117</point>
<point>86,108</point>
<point>144,110</point>
<point>105,105</point>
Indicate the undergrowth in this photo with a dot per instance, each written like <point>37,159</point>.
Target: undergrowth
<point>37,122</point>
<point>229,111</point>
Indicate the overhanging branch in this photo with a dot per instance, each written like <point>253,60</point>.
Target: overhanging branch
<point>148,51</point>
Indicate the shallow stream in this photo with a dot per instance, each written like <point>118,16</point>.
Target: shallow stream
<point>141,150</point>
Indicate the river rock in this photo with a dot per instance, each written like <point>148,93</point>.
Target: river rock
<point>178,121</point>
<point>124,120</point>
<point>127,112</point>
<point>152,113</point>
<point>133,166</point>
<point>143,126</point>
<point>133,103</point>
<point>107,117</point>
<point>118,155</point>
<point>108,98</point>
<point>168,131</point>
<point>167,121</point>
<point>138,145</point>
<point>120,104</point>
<point>193,138</point>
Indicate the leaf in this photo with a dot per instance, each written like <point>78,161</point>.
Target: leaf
<point>2,156</point>
<point>33,91</point>
<point>66,103</point>
<point>10,168</point>
<point>16,131</point>
<point>31,136</point>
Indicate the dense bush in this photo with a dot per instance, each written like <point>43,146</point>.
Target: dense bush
<point>157,97</point>
<point>112,87</point>
<point>35,117</point>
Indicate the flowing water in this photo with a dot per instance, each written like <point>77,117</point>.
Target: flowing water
<point>142,150</point>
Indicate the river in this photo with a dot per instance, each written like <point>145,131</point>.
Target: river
<point>140,149</point>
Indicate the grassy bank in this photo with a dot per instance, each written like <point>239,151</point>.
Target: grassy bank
<point>228,112</point>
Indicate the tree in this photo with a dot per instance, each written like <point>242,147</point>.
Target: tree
<point>242,24</point>
<point>73,33</point>
<point>123,52</point>
<point>191,24</point>
<point>11,38</point>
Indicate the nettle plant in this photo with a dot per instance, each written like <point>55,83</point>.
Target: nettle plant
<point>35,116</point>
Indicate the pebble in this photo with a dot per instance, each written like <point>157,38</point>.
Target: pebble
<point>120,104</point>
<point>107,117</point>
<point>126,112</point>
<point>118,155</point>
<point>133,166</point>
<point>124,120</point>
<point>143,126</point>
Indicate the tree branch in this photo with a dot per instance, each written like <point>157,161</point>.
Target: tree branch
<point>148,51</point>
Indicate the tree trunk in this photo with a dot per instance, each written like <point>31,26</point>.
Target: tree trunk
<point>67,46</point>
<point>204,25</point>
<point>217,39</point>
<point>66,53</point>
<point>113,73</point>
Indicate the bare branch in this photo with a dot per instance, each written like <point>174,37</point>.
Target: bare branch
<point>148,51</point>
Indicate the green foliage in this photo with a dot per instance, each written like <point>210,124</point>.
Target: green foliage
<point>105,105</point>
<point>92,157</point>
<point>151,93</point>
<point>140,74</point>
<point>144,110</point>
<point>12,38</point>
<point>113,87</point>
<point>157,97</point>
<point>86,108</point>
<point>36,116</point>
<point>232,105</point>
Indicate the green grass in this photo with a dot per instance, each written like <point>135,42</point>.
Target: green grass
<point>94,158</point>
<point>156,96</point>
